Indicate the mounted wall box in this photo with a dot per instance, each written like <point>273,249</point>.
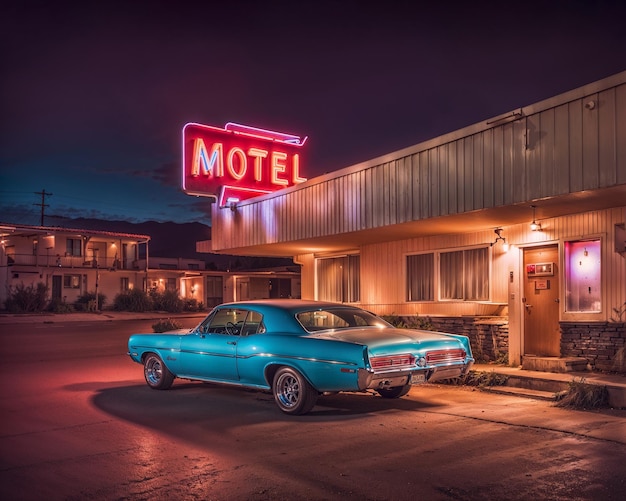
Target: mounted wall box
<point>540,269</point>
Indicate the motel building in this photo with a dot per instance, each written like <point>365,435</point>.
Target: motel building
<point>73,262</point>
<point>511,231</point>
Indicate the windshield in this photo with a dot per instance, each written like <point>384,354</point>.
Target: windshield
<point>338,318</point>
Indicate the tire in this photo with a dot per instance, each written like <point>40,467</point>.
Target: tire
<point>395,392</point>
<point>292,392</point>
<point>157,375</point>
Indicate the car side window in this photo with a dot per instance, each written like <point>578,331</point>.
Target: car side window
<point>253,324</point>
<point>228,321</point>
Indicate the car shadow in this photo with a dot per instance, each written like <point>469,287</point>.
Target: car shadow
<point>223,407</point>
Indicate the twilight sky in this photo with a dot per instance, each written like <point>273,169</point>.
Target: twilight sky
<point>94,94</point>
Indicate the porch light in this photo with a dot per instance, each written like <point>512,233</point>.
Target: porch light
<point>534,226</point>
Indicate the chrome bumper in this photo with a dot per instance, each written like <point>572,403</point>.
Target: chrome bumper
<point>369,380</point>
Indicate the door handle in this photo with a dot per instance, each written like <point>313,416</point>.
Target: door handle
<point>528,305</point>
<point>231,342</point>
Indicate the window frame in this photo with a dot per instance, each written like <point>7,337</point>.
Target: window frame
<point>438,279</point>
<point>71,279</point>
<point>592,316</point>
<point>349,288</point>
<point>435,281</point>
<point>71,247</point>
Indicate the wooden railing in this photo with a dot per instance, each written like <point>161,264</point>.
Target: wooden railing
<point>52,261</point>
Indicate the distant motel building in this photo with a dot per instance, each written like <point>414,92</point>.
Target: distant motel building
<point>511,231</point>
<point>73,262</point>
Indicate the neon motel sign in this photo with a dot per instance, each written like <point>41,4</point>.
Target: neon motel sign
<point>238,162</point>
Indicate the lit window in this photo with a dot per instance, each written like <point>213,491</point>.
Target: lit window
<point>464,275</point>
<point>339,279</point>
<point>171,284</point>
<point>71,281</point>
<point>73,247</point>
<point>420,271</point>
<point>582,276</point>
<point>214,288</point>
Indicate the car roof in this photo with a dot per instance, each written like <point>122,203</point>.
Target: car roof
<point>291,305</point>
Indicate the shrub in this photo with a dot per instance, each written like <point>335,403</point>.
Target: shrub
<point>193,305</point>
<point>167,301</point>
<point>27,298</point>
<point>166,325</point>
<point>57,305</point>
<point>133,300</point>
<point>416,322</point>
<point>87,301</point>
<point>481,379</point>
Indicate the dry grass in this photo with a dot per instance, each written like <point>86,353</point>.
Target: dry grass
<point>581,395</point>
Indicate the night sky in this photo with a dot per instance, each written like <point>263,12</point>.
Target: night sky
<point>94,94</point>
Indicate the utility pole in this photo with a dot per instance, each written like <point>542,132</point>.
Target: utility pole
<point>43,205</point>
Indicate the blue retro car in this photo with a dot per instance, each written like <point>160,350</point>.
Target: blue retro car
<point>299,350</point>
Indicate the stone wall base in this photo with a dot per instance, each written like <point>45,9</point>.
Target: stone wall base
<point>603,344</point>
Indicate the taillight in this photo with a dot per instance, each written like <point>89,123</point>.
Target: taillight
<point>443,356</point>
<point>392,362</point>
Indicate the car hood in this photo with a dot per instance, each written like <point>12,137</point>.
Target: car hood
<point>384,341</point>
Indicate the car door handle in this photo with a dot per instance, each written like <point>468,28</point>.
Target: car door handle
<point>231,342</point>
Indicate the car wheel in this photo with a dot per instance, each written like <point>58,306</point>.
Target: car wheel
<point>395,392</point>
<point>292,392</point>
<point>157,375</point>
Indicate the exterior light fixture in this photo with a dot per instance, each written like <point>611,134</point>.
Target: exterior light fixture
<point>534,226</point>
<point>498,232</point>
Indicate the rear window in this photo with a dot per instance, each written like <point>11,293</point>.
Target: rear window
<point>339,318</point>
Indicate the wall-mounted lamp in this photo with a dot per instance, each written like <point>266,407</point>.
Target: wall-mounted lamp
<point>498,232</point>
<point>535,226</point>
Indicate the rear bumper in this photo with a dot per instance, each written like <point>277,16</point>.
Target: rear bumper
<point>450,371</point>
<point>369,380</point>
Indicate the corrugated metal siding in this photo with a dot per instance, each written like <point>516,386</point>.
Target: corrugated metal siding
<point>559,150</point>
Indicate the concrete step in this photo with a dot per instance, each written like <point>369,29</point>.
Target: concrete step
<point>554,364</point>
<point>550,385</point>
<point>537,383</point>
<point>523,392</point>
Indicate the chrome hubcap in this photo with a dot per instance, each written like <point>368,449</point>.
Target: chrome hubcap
<point>288,390</point>
<point>153,371</point>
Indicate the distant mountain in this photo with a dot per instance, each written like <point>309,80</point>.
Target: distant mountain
<point>173,240</point>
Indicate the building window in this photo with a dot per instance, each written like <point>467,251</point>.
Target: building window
<point>420,271</point>
<point>214,287</point>
<point>71,281</point>
<point>124,284</point>
<point>170,285</point>
<point>464,275</point>
<point>339,279</point>
<point>193,266</point>
<point>583,276</point>
<point>73,247</point>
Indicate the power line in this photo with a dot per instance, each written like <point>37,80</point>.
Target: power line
<point>43,204</point>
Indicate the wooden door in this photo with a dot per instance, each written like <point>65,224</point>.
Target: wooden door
<point>542,335</point>
<point>57,282</point>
